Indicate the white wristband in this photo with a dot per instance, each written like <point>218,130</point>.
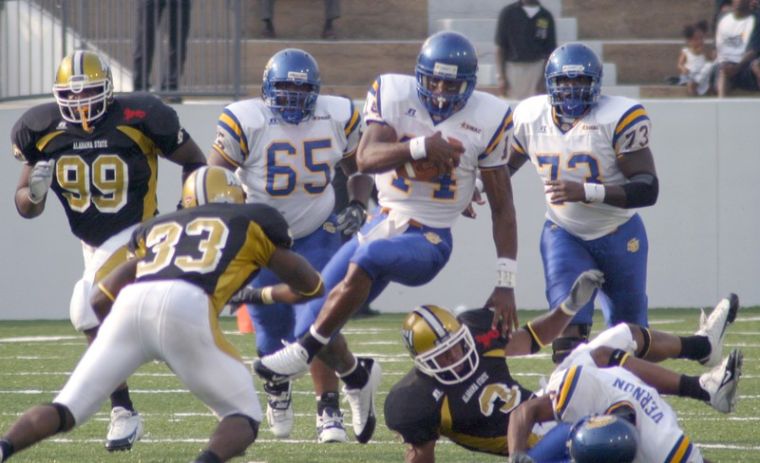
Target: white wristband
<point>417,148</point>
<point>506,272</point>
<point>322,340</point>
<point>595,192</point>
<point>266,295</point>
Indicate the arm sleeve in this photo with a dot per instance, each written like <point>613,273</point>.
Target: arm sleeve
<point>578,394</point>
<point>272,223</point>
<point>23,142</point>
<point>495,153</point>
<point>231,141</point>
<point>413,415</point>
<point>633,130</point>
<point>373,110</point>
<point>162,125</point>
<point>351,129</point>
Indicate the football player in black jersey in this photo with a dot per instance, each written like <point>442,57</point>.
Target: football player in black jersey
<point>186,265</point>
<point>461,387</point>
<point>99,155</point>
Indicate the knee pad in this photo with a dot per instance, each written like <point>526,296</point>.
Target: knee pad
<point>81,314</point>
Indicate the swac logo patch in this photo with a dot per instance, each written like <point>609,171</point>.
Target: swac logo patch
<point>633,245</point>
<point>130,114</point>
<point>433,237</point>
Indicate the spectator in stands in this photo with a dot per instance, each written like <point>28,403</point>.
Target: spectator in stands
<point>148,18</point>
<point>695,63</point>
<point>737,41</point>
<point>525,37</point>
<point>332,12</point>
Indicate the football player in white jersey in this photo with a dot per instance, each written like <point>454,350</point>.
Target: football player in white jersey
<point>592,153</point>
<point>284,147</point>
<point>426,139</point>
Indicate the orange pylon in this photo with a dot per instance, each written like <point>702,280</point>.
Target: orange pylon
<point>244,323</point>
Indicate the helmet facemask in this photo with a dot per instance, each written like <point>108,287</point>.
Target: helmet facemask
<point>571,94</point>
<point>294,100</point>
<point>453,360</point>
<point>443,103</point>
<point>83,88</point>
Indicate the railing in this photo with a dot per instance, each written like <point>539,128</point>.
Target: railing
<point>36,34</point>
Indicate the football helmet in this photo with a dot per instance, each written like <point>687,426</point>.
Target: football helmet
<point>450,57</point>
<point>603,438</point>
<point>212,184</point>
<point>83,87</point>
<point>291,84</point>
<point>571,61</point>
<point>430,333</point>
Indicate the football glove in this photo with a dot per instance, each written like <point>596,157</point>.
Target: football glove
<point>582,290</point>
<point>351,219</point>
<point>246,295</point>
<point>40,180</point>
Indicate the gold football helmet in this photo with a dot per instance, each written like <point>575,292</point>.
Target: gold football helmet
<point>212,184</point>
<point>83,87</point>
<point>440,346</point>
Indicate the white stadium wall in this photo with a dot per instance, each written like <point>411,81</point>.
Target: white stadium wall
<point>702,231</point>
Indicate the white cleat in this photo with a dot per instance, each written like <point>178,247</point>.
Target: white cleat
<point>721,382</point>
<point>125,429</point>
<point>330,427</point>
<point>287,364</point>
<point>714,327</point>
<point>362,401</point>
<point>279,409</point>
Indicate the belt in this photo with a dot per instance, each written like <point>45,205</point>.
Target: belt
<point>412,223</point>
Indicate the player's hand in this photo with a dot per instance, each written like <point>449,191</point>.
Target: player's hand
<point>521,457</point>
<point>502,300</point>
<point>40,179</point>
<point>351,219</point>
<point>477,198</point>
<point>563,191</point>
<point>583,289</point>
<point>442,153</point>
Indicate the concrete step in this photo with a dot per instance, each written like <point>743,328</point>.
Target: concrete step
<point>643,62</point>
<point>360,19</point>
<point>441,9</point>
<point>643,19</point>
<point>483,29</point>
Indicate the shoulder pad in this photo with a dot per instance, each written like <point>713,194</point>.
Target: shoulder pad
<point>530,109</point>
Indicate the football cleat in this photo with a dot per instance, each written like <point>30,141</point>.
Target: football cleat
<point>362,401</point>
<point>330,426</point>
<point>288,363</point>
<point>721,382</point>
<point>279,408</point>
<point>714,327</point>
<point>125,429</point>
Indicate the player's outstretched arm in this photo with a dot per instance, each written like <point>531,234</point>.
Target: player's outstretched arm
<point>541,331</point>
<point>189,156</point>
<point>522,419</point>
<point>515,161</point>
<point>300,281</point>
<point>498,188</point>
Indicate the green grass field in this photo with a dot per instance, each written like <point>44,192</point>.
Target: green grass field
<point>37,357</point>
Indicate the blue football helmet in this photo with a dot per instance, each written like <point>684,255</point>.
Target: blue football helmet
<point>450,57</point>
<point>291,84</point>
<point>603,439</point>
<point>572,61</point>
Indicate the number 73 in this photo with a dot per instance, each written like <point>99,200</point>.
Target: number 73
<point>573,162</point>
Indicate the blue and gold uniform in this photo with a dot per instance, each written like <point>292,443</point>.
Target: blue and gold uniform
<point>106,178</point>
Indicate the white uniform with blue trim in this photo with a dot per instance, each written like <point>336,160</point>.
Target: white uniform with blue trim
<point>585,151</point>
<point>288,166</point>
<point>482,126</point>
<point>582,389</point>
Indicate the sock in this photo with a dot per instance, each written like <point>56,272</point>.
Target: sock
<point>208,457</point>
<point>311,344</point>
<point>121,398</point>
<point>689,387</point>
<point>328,399</point>
<point>6,449</point>
<point>355,378</point>
<point>694,347</point>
